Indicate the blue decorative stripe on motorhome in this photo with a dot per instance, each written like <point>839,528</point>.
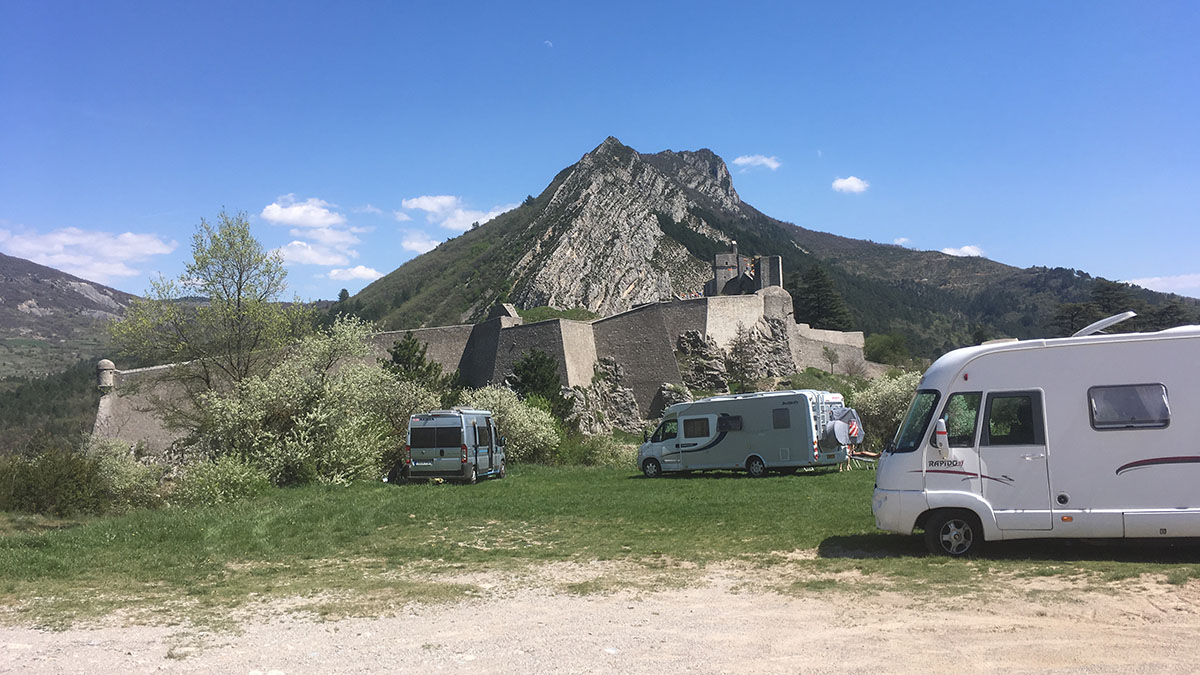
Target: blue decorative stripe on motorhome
<point>720,437</point>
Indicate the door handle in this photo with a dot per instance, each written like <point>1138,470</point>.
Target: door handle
<point>1033,456</point>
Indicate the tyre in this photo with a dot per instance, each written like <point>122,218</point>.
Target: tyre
<point>472,476</point>
<point>953,532</point>
<point>651,468</point>
<point>756,467</point>
<point>503,469</point>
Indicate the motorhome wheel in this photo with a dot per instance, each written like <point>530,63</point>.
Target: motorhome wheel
<point>474,477</point>
<point>953,533</point>
<point>756,467</point>
<point>651,468</point>
<point>503,469</point>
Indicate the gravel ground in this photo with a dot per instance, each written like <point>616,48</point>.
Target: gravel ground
<point>721,621</point>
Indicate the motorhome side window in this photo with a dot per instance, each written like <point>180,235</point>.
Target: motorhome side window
<point>1131,406</point>
<point>781,418</point>
<point>695,428</point>
<point>729,423</point>
<point>666,431</point>
<point>961,413</point>
<point>1013,419</point>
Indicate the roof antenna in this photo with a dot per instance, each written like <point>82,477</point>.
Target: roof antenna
<point>1105,323</point>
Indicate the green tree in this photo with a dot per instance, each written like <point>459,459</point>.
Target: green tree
<point>1170,315</point>
<point>536,374</point>
<point>818,303</point>
<point>233,331</point>
<point>1111,297</point>
<point>409,363</point>
<point>830,354</point>
<point>886,348</point>
<point>343,296</point>
<point>1069,317</point>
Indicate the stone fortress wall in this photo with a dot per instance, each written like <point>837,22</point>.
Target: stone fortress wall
<point>642,340</point>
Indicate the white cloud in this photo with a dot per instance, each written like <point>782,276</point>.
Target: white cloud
<point>90,254</point>
<point>304,253</point>
<point>448,212</point>
<point>401,216</point>
<point>368,208</point>
<point>1183,284</point>
<point>901,241</point>
<point>433,204</point>
<point>356,272</point>
<point>851,184</point>
<point>970,250</point>
<point>548,43</point>
<point>747,161</point>
<point>341,240</point>
<point>418,242</point>
<point>461,219</point>
<point>311,212</point>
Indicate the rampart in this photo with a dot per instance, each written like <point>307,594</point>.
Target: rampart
<point>642,340</point>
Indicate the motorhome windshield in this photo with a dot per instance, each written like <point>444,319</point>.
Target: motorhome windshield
<point>908,437</point>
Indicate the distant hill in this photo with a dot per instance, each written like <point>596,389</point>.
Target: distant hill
<point>619,228</point>
<point>50,319</point>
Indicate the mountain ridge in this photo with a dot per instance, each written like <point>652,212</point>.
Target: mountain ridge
<point>49,318</point>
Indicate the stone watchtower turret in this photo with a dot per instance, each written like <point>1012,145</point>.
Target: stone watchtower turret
<point>736,274</point>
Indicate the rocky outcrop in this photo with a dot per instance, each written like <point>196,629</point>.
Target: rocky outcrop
<point>761,350</point>
<point>701,362</point>
<point>606,404</point>
<point>600,244</point>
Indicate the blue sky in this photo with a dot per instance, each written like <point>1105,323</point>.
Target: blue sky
<point>358,134</point>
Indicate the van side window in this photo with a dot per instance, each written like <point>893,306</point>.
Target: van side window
<point>729,423</point>
<point>781,418</point>
<point>1130,406</point>
<point>961,414</point>
<point>483,435</point>
<point>666,431</point>
<point>1014,419</point>
<point>695,428</point>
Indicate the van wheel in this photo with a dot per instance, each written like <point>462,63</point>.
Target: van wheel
<point>953,532</point>
<point>503,470</point>
<point>651,468</point>
<point>755,467</point>
<point>473,477</point>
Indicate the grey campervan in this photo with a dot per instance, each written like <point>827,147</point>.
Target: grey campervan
<point>462,443</point>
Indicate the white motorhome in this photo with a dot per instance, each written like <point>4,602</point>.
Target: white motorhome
<point>760,432</point>
<point>1093,436</point>
<point>461,443</point>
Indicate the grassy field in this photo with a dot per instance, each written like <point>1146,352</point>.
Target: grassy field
<point>368,547</point>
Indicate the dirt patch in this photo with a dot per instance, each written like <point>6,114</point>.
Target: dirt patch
<point>661,617</point>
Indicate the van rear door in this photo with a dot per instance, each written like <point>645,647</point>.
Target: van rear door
<point>1012,453</point>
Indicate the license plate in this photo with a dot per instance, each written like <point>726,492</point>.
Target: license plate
<point>427,462</point>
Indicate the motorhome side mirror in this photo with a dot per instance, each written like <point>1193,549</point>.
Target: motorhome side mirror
<point>942,438</point>
<point>645,436</point>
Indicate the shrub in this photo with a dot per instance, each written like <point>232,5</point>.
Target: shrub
<point>530,433</point>
<point>228,479</point>
<point>882,404</point>
<point>129,483</point>
<point>53,478</point>
<point>579,449</point>
<point>317,416</point>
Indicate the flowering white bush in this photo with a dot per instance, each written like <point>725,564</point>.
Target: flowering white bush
<point>319,416</point>
<point>531,434</point>
<point>882,404</point>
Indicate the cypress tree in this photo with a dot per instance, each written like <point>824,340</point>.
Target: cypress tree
<point>818,303</point>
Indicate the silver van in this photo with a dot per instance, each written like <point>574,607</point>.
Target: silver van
<point>462,444</point>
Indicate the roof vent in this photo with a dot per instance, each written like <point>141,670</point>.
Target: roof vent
<point>1105,323</point>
